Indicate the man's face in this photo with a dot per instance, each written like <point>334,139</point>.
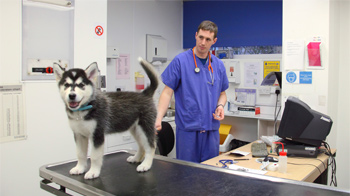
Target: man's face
<point>204,41</point>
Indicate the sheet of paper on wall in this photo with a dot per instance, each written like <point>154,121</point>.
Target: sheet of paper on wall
<point>252,75</point>
<point>123,66</point>
<point>246,97</point>
<point>12,126</point>
<point>294,55</point>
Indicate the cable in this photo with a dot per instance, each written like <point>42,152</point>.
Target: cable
<point>275,120</point>
<point>226,161</point>
<point>324,166</point>
<point>306,164</point>
<point>332,164</point>
<point>303,164</point>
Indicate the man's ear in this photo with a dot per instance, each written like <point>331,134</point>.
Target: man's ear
<point>215,40</point>
<point>58,71</point>
<point>92,72</point>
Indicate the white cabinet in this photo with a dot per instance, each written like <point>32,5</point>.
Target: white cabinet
<point>120,141</point>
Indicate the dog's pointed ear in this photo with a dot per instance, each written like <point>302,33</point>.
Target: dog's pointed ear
<point>92,71</point>
<point>58,71</point>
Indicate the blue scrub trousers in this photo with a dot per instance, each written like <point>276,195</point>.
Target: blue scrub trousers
<point>197,146</point>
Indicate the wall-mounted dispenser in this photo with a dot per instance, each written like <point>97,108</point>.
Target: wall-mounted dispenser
<point>232,70</point>
<point>112,52</point>
<point>156,48</point>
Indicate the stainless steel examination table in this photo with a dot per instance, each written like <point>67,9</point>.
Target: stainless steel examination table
<point>172,177</point>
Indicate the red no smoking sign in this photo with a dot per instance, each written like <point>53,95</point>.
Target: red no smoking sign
<point>99,30</point>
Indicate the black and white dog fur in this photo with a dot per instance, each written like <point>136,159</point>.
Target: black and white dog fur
<point>92,114</point>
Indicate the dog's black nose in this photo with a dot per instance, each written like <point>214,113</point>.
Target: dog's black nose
<point>72,96</point>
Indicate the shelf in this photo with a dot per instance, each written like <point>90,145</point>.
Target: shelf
<point>259,116</point>
<point>250,128</point>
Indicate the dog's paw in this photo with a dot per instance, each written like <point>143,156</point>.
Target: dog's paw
<point>77,170</point>
<point>143,167</point>
<point>133,159</point>
<point>91,174</point>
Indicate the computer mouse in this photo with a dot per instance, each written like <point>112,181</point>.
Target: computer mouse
<point>270,159</point>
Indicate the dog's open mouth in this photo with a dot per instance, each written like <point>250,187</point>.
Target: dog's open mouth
<point>74,104</point>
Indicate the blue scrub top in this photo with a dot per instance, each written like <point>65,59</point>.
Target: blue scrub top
<point>196,97</point>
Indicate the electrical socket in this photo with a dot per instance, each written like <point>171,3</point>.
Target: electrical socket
<point>264,90</point>
<point>120,88</point>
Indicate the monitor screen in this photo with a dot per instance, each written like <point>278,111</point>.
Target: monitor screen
<point>303,125</point>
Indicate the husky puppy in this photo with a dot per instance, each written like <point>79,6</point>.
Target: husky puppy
<point>92,114</point>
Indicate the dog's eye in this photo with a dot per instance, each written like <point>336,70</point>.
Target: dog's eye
<point>66,85</point>
<point>81,85</point>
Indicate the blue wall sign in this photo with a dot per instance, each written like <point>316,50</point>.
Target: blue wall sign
<point>291,77</point>
<point>305,77</point>
<point>299,77</point>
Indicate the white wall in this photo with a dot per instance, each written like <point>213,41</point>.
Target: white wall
<point>330,20</point>
<point>339,91</point>
<point>88,47</point>
<point>49,136</point>
<point>299,24</point>
<point>128,24</point>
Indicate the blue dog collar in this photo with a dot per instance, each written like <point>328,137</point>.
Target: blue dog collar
<point>85,107</point>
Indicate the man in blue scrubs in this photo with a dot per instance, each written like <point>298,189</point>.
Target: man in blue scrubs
<point>199,81</point>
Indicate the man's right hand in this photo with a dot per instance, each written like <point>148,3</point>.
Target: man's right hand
<point>158,125</point>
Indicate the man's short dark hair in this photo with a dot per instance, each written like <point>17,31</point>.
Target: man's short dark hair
<point>208,26</point>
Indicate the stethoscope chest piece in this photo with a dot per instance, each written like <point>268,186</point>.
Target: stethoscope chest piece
<point>195,62</point>
<point>197,69</point>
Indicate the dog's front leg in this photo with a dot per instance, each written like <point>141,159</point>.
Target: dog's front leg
<point>81,148</point>
<point>96,162</point>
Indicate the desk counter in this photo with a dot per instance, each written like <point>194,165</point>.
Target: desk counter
<point>298,168</point>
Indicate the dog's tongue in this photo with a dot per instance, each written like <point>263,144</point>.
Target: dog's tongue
<point>73,104</point>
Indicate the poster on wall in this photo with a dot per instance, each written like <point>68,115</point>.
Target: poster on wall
<point>12,116</point>
<point>271,66</point>
<point>123,66</point>
<point>245,97</point>
<point>294,55</point>
<point>251,74</point>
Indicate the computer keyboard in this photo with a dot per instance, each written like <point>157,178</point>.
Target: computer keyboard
<point>259,150</point>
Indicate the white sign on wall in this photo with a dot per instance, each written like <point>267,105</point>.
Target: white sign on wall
<point>12,125</point>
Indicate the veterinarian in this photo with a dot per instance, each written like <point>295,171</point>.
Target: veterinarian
<point>199,81</point>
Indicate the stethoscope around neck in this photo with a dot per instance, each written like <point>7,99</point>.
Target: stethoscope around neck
<point>197,70</point>
<point>210,68</point>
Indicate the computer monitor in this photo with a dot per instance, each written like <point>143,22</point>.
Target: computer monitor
<point>303,125</point>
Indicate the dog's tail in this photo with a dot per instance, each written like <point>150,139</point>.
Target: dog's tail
<point>152,75</point>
